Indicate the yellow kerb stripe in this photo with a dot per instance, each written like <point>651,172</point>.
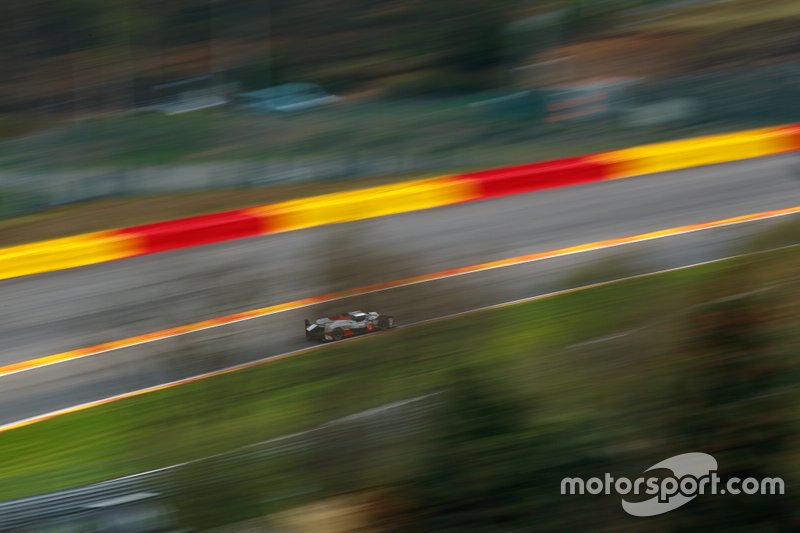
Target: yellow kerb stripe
<point>68,252</point>
<point>365,203</point>
<point>687,153</point>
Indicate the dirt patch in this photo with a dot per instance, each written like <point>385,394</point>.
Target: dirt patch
<point>680,40</point>
<point>636,56</point>
<point>758,44</point>
<point>342,514</point>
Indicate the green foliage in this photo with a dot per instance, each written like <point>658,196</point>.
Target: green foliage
<point>489,469</point>
<point>305,39</point>
<point>728,389</point>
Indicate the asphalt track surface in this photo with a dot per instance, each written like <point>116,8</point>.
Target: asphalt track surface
<point>59,311</point>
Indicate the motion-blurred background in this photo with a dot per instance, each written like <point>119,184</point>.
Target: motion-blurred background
<point>123,112</point>
<point>122,98</point>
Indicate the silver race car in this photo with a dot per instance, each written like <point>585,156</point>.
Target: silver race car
<point>338,327</point>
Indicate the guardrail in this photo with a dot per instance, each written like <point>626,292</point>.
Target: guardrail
<point>381,426</point>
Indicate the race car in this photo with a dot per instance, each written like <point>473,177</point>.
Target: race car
<point>335,328</point>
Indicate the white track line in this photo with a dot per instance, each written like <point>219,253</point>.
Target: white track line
<point>273,358</point>
<point>552,254</point>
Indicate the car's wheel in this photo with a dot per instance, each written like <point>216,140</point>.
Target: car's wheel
<point>337,334</point>
<point>385,322</point>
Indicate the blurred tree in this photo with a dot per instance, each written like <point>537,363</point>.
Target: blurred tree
<point>489,470</point>
<point>735,371</point>
<point>338,42</point>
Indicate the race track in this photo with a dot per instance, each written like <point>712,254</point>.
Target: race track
<point>63,310</point>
